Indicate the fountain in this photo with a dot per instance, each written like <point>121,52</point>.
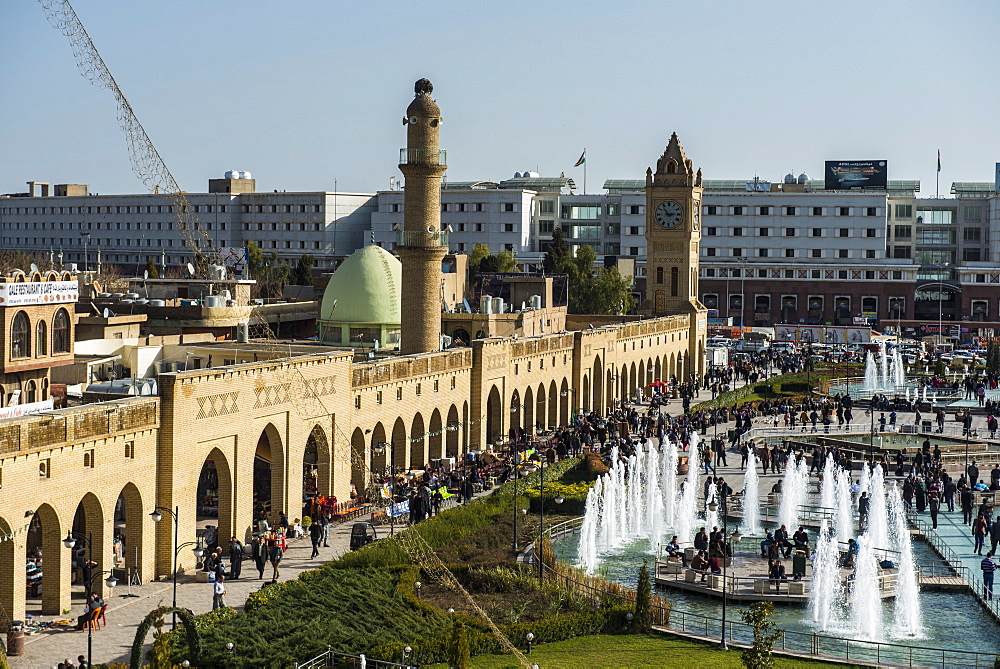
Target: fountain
<point>844,509</point>
<point>884,372</point>
<point>654,496</point>
<point>827,593</point>
<point>668,482</point>
<point>866,603</point>
<point>712,515</point>
<point>878,520</point>
<point>588,530</point>
<point>687,505</point>
<point>793,492</point>
<point>751,497</point>
<point>907,604</point>
<point>828,488</point>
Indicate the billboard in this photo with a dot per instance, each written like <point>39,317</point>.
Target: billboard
<point>855,175</point>
<point>38,292</point>
<point>822,334</point>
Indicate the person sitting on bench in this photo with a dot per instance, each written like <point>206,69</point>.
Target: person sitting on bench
<point>801,540</point>
<point>764,545</point>
<point>674,550</point>
<point>700,564</point>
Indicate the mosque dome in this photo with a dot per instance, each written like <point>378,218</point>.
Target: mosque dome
<point>366,288</point>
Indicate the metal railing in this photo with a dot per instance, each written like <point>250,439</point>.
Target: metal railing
<point>820,646</point>
<point>423,157</point>
<point>331,659</point>
<point>952,558</point>
<point>865,429</point>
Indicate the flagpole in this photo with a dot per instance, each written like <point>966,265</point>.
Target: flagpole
<point>585,176</point>
<point>937,179</point>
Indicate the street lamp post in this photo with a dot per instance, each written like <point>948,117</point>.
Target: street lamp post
<point>727,551</point>
<point>541,512</point>
<point>743,293</point>
<point>566,393</point>
<point>379,449</point>
<point>69,542</point>
<point>157,516</point>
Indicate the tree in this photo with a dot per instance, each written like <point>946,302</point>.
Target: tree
<point>643,621</point>
<point>499,262</point>
<point>154,273</point>
<point>479,251</point>
<point>993,358</point>
<point>159,654</point>
<point>557,256</point>
<point>758,655</point>
<point>302,274</point>
<point>460,657</point>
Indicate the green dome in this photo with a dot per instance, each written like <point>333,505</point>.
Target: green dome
<point>364,289</point>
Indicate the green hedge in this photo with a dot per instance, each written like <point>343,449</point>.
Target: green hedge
<point>610,620</point>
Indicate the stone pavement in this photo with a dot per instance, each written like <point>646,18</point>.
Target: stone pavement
<point>113,643</point>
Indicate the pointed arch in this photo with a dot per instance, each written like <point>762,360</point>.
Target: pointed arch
<point>452,440</point>
<point>227,512</point>
<point>11,579</point>
<point>435,436</point>
<point>585,399</point>
<point>598,380</point>
<point>515,412</point>
<point>88,523</point>
<point>553,400</point>
<point>633,379</point>
<point>466,422</point>
<point>55,594</point>
<point>417,443</point>
<point>135,520</point>
<point>380,461</point>
<point>270,481</point>
<point>494,420</point>
<point>609,396</point>
<point>641,379</point>
<point>359,460</point>
<point>541,419</point>
<point>400,449</point>
<point>623,382</point>
<point>564,399</point>
<point>529,411</point>
<point>318,450</point>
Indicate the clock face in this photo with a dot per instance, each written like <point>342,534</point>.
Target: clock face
<point>668,214</point>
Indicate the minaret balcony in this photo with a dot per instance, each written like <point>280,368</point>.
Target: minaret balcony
<point>422,238</point>
<point>423,157</point>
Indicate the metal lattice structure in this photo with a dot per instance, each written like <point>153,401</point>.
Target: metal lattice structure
<point>145,159</point>
<point>422,554</point>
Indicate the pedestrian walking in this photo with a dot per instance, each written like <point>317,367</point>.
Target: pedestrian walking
<point>935,506</point>
<point>274,555</point>
<point>316,536</point>
<point>863,505</point>
<point>979,528</point>
<point>259,554</point>
<point>965,499</point>
<point>219,589</point>
<point>988,567</point>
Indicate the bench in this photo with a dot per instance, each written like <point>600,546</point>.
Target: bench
<point>715,581</point>
<point>671,567</point>
<point>761,587</point>
<point>796,588</point>
<point>348,514</point>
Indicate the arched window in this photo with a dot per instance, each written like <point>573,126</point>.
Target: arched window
<point>45,391</point>
<point>60,332</point>
<point>20,336</point>
<point>41,339</point>
<point>29,392</point>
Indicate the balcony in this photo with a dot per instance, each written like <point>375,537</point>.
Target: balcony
<point>422,238</point>
<point>423,157</point>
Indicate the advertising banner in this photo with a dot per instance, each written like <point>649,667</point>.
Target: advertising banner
<point>38,292</point>
<point>856,175</point>
<point>822,334</point>
<point>25,409</point>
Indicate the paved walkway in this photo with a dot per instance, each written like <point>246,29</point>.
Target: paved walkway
<point>113,643</point>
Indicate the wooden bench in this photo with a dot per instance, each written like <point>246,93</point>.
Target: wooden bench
<point>348,514</point>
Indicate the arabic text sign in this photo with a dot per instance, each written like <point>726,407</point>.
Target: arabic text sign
<point>38,292</point>
<point>856,175</point>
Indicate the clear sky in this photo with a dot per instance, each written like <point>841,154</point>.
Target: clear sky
<point>306,93</point>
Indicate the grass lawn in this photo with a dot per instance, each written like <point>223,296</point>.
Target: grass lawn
<point>658,650</point>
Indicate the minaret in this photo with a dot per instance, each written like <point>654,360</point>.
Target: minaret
<point>420,245</point>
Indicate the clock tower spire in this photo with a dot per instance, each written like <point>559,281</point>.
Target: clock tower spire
<point>673,233</point>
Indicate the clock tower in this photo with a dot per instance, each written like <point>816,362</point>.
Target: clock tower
<point>673,231</point>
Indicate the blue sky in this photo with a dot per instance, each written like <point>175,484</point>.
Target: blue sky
<point>306,93</point>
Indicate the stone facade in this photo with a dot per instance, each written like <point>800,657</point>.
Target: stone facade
<point>150,451</point>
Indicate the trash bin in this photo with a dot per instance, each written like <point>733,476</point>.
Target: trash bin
<point>15,638</point>
<point>925,425</point>
<point>799,562</point>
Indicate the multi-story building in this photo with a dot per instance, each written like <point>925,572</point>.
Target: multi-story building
<point>74,226</point>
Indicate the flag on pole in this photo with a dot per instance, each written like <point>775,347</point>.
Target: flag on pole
<point>583,159</point>
<point>939,160</point>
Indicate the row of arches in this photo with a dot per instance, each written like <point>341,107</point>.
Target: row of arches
<point>113,537</point>
<point>22,342</point>
<point>442,434</point>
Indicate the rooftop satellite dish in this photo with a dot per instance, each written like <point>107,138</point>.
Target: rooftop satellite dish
<point>145,275</point>
<point>34,267</point>
<point>107,312</point>
<point>190,269</point>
